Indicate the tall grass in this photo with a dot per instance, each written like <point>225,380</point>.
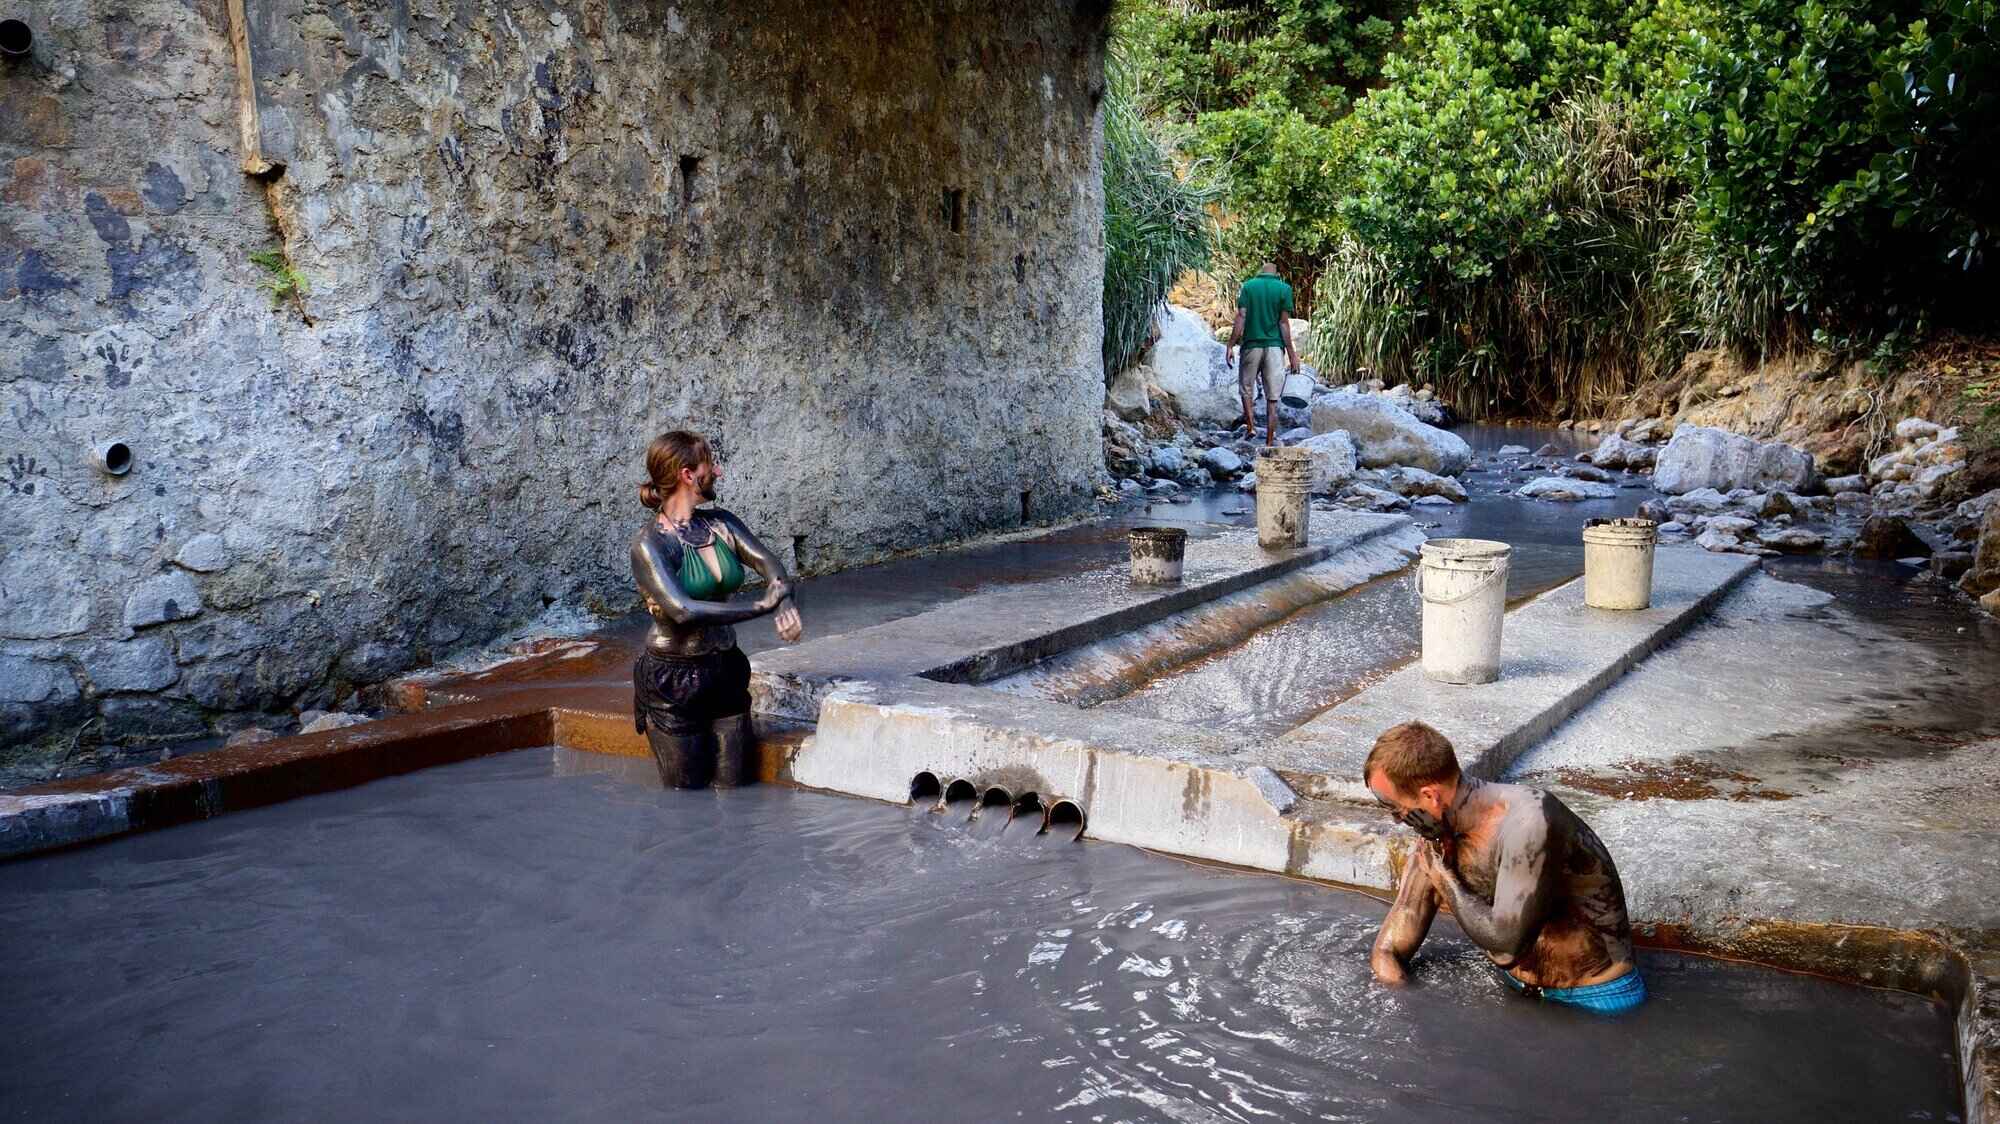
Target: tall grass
<point>1156,219</point>
<point>1584,304</point>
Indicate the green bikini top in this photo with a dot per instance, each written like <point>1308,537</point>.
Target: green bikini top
<point>696,579</point>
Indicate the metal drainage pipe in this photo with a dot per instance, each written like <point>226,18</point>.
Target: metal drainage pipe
<point>16,40</point>
<point>956,791</point>
<point>925,786</point>
<point>112,458</point>
<point>1026,804</point>
<point>1061,815</point>
<point>996,797</point>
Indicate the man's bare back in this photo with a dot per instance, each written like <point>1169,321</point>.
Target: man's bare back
<point>1527,880</point>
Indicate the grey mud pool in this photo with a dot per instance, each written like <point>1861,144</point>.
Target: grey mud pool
<point>545,935</point>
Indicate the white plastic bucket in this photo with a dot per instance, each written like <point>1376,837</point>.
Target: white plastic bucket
<point>1464,586</point>
<point>1284,497</point>
<point>1298,391</point>
<point>1618,563</point>
<point>1158,554</point>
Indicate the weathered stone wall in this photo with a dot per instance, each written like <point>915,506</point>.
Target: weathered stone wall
<point>857,242</point>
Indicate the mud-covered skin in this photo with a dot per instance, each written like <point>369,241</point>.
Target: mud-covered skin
<point>683,625</point>
<point>1528,881</point>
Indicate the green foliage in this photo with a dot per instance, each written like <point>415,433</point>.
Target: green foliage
<point>1535,202</point>
<point>1263,88</point>
<point>1546,301</point>
<point>1156,221</point>
<point>281,279</point>
<point>1833,155</point>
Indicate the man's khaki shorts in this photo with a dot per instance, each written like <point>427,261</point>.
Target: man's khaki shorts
<point>1270,363</point>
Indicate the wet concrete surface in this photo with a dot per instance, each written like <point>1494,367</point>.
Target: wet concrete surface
<point>544,935</point>
<point>1826,747</point>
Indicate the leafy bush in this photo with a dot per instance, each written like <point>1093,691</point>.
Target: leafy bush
<point>1156,221</point>
<point>1831,151</point>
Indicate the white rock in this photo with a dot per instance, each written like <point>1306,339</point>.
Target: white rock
<point>1128,396</point>
<point>1617,452</point>
<point>204,554</point>
<point>1562,488</point>
<point>1334,459</point>
<point>168,597</point>
<point>1837,484</point>
<point>1414,482</point>
<point>1373,498</point>
<point>1190,366</point>
<point>1513,451</point>
<point>1914,431</point>
<point>1222,462</point>
<point>1706,500</point>
<point>1168,461</point>
<point>1248,483</point>
<point>1702,457</point>
<point>1431,501</point>
<point>332,721</point>
<point>1384,433</point>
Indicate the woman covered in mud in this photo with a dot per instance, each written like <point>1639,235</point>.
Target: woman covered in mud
<point>692,684</point>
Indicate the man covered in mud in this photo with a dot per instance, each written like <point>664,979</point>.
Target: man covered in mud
<point>1528,881</point>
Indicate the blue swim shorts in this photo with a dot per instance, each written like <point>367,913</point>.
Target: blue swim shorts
<point>1607,998</point>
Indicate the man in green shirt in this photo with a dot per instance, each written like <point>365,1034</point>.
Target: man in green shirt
<point>1264,329</point>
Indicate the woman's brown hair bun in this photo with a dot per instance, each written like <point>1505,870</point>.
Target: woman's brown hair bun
<point>665,458</point>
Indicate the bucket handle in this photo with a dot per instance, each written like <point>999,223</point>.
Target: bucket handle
<point>1485,583</point>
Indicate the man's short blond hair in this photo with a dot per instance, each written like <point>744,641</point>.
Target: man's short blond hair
<point>1411,755</point>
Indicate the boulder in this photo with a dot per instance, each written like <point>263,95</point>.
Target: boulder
<point>1563,489</point>
<point>1888,536</point>
<point>1984,576</point>
<point>1294,436</point>
<point>1431,501</point>
<point>1706,501</point>
<point>1167,461</point>
<point>1649,431</point>
<point>1991,603</point>
<point>1586,472</point>
<point>1385,433</point>
<point>1951,565</point>
<point>250,735</point>
<point>1514,451</point>
<point>1188,365</point>
<point>1127,395</point>
<point>1839,485</point>
<point>1777,503</point>
<point>1673,527</point>
<point>1334,459</point>
<point>1547,450</point>
<point>1222,462</point>
<point>1372,498</point>
<point>1792,540</point>
<point>1248,483</point>
<point>1414,482</point>
<point>1914,431</point>
<point>1701,457</point>
<point>1617,452</point>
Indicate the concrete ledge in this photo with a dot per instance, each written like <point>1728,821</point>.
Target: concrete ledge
<point>1559,654</point>
<point>991,634</point>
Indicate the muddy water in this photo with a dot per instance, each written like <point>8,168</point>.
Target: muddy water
<point>540,935</point>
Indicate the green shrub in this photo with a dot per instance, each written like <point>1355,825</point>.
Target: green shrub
<point>1156,221</point>
<point>1834,157</point>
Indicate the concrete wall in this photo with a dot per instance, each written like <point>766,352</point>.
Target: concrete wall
<point>857,242</point>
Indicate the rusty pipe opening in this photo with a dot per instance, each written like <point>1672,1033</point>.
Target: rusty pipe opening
<point>1026,804</point>
<point>16,40</point>
<point>925,786</point>
<point>1062,815</point>
<point>958,790</point>
<point>994,797</point>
